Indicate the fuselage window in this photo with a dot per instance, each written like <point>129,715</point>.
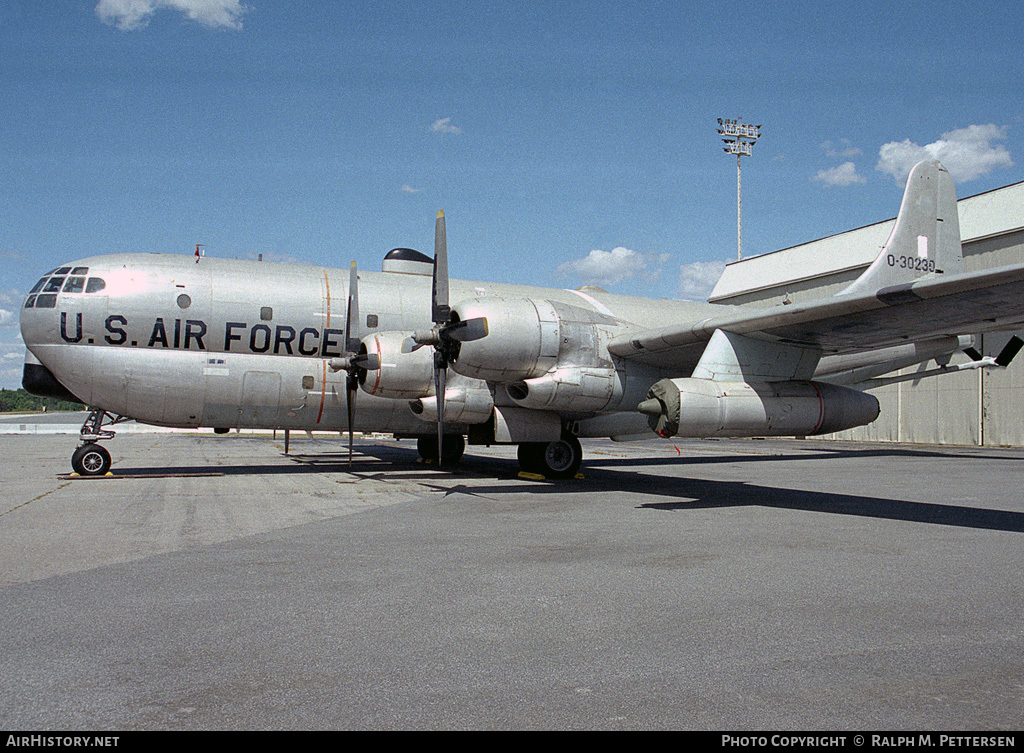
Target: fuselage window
<point>61,271</point>
<point>81,271</point>
<point>53,285</point>
<point>95,285</point>
<point>30,301</point>
<point>46,301</point>
<point>38,286</point>
<point>74,285</point>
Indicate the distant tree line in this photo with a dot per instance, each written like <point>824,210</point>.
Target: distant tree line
<point>19,401</point>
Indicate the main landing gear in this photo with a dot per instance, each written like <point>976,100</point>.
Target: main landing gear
<point>91,458</point>
<point>558,459</point>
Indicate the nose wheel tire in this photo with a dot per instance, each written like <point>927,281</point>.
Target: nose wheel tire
<point>91,460</point>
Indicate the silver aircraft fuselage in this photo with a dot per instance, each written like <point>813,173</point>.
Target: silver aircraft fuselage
<point>188,342</point>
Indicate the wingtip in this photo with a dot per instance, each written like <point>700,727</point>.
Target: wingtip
<point>440,214</point>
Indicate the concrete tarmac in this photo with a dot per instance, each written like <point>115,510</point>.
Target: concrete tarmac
<point>213,582</point>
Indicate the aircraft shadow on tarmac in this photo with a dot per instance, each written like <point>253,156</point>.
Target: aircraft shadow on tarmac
<point>612,474</point>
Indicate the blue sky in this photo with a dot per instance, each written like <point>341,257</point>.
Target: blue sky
<point>568,143</point>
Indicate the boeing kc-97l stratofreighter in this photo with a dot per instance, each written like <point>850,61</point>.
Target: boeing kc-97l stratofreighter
<point>179,341</point>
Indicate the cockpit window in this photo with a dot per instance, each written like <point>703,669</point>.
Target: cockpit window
<point>55,282</point>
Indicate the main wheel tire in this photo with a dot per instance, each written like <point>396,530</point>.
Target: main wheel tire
<point>562,459</point>
<point>559,459</point>
<point>91,460</point>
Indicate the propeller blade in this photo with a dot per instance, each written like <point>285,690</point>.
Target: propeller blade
<point>440,311</point>
<point>1011,349</point>
<point>440,372</point>
<point>353,362</point>
<point>351,385</point>
<point>468,330</point>
<point>410,344</point>
<point>367,361</point>
<point>352,315</point>
<point>973,354</point>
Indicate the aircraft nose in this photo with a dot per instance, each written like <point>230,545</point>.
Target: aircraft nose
<point>40,307</point>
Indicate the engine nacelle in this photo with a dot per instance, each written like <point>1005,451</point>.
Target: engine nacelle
<point>568,389</point>
<point>402,375</point>
<point>706,408</point>
<point>461,406</point>
<point>523,339</point>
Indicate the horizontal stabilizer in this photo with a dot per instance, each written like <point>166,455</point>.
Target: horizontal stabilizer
<point>1010,350</point>
<point>978,361</point>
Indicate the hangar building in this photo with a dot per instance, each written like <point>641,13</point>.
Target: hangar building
<point>977,407</point>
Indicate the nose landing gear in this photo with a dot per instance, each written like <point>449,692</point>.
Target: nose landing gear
<point>90,458</point>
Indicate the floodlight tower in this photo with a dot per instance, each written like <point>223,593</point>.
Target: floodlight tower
<point>740,142</point>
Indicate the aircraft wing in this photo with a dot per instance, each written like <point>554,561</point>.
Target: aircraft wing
<point>915,289</point>
<point>966,303</point>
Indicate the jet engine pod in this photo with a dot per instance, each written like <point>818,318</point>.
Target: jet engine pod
<point>461,406</point>
<point>523,339</point>
<point>705,408</point>
<point>571,388</point>
<point>404,374</point>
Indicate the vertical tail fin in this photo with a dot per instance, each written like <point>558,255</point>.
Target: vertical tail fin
<point>926,237</point>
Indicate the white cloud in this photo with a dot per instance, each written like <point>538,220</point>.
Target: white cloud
<point>967,153</point>
<point>128,15</point>
<point>444,125</point>
<point>406,188</point>
<point>7,317</point>
<point>844,148</point>
<point>698,279</point>
<point>843,175</point>
<point>604,267</point>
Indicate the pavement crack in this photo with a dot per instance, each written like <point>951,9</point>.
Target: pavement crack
<point>35,499</point>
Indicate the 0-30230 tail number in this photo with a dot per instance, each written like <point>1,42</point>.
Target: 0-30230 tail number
<point>911,262</point>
